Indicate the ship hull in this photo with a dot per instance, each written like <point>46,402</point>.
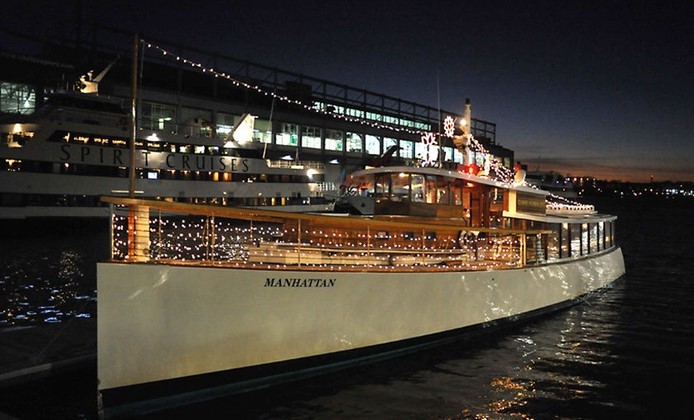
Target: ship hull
<point>164,327</point>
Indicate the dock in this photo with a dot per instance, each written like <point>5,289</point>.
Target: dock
<point>29,353</point>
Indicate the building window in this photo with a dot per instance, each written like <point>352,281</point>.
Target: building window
<point>334,140</point>
<point>225,122</point>
<point>354,143</point>
<point>388,143</point>
<point>262,131</point>
<point>457,156</point>
<point>288,135</point>
<point>373,145</point>
<point>406,149</point>
<point>17,98</point>
<point>448,154</point>
<point>311,137</point>
<point>156,116</point>
<point>196,122</point>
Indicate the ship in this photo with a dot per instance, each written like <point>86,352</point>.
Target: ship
<point>58,161</point>
<point>200,301</point>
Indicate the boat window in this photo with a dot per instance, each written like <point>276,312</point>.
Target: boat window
<point>417,188</point>
<point>593,237</point>
<point>430,189</point>
<point>584,239</point>
<point>382,185</point>
<point>457,192</point>
<point>575,239</point>
<point>553,243</point>
<point>565,240</point>
<point>442,191</point>
<point>401,187</point>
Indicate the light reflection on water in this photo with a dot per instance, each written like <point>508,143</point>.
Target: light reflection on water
<point>47,279</point>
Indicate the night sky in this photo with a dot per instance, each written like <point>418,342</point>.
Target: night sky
<point>597,88</point>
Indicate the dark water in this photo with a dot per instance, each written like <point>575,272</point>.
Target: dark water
<point>626,353</point>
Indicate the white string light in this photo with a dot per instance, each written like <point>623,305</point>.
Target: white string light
<point>501,172</point>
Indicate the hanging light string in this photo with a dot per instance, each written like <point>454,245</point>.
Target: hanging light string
<point>502,173</point>
<point>260,90</point>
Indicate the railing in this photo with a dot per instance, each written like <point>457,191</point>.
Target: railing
<point>266,239</point>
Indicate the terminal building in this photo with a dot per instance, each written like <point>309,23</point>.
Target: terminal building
<point>188,91</point>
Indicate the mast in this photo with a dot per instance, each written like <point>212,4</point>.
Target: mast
<point>133,114</point>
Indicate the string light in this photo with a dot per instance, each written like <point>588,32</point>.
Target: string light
<point>501,172</point>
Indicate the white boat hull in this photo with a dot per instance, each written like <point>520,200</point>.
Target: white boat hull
<point>159,322</point>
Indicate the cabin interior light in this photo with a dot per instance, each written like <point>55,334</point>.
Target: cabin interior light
<point>153,137</point>
<point>17,128</point>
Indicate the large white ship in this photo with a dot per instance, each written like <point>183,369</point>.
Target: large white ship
<point>59,160</point>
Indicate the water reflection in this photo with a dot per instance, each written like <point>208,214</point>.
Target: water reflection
<point>49,288</point>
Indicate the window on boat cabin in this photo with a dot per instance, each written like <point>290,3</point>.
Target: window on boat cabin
<point>584,238</point>
<point>157,116</point>
<point>382,185</point>
<point>553,243</point>
<point>417,187</point>
<point>288,135</point>
<point>334,140</point>
<point>430,189</point>
<point>601,235</point>
<point>406,149</point>
<point>388,142</point>
<point>262,131</point>
<point>355,142</point>
<point>311,137</point>
<point>373,145</point>
<point>565,241</point>
<point>593,237</point>
<point>457,192</point>
<point>400,187</point>
<point>575,239</point>
<point>443,194</point>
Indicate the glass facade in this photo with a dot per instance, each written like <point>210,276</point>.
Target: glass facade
<point>311,137</point>
<point>354,142</point>
<point>288,135</point>
<point>373,145</point>
<point>17,98</point>
<point>334,140</point>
